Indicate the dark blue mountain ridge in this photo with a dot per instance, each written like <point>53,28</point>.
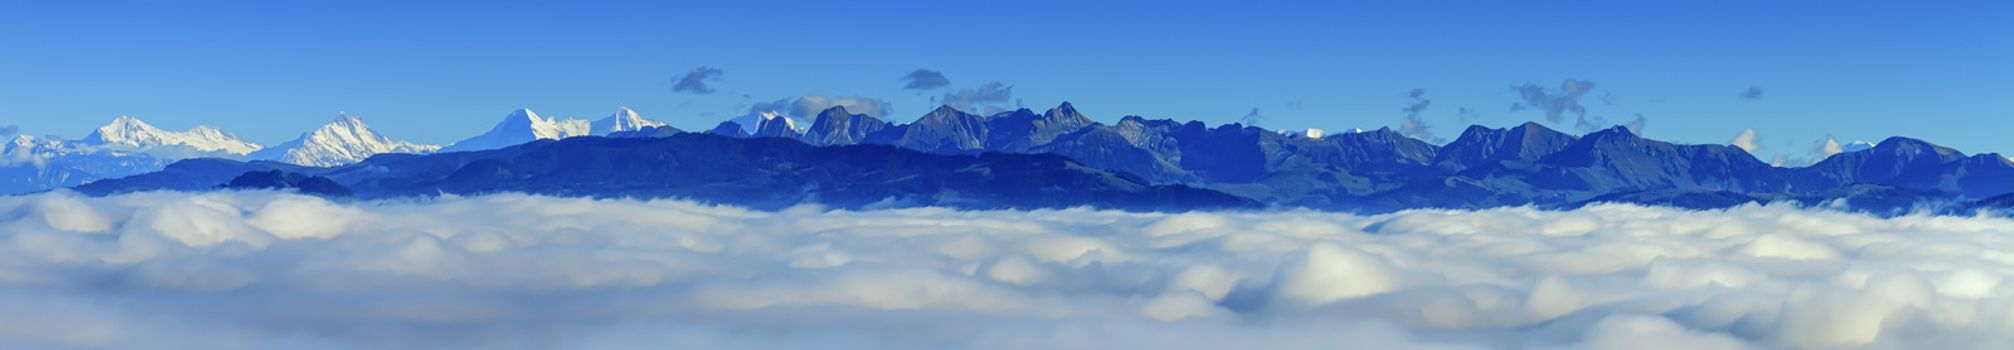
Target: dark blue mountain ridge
<point>1367,171</point>
<point>1382,170</point>
<point>763,173</point>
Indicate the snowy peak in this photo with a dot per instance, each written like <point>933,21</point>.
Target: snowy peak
<point>523,126</point>
<point>343,141</point>
<point>131,132</point>
<point>624,119</point>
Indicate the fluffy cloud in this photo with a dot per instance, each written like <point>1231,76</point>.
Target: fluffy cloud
<point>924,79</point>
<point>1752,93</point>
<point>9,130</point>
<point>254,270</point>
<point>695,82</point>
<point>1747,140</point>
<point>989,98</point>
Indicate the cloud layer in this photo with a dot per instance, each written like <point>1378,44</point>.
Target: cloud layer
<point>262,270</point>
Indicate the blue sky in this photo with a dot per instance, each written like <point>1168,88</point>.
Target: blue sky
<point>441,71</point>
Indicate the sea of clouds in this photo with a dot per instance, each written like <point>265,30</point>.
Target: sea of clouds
<point>262,270</point>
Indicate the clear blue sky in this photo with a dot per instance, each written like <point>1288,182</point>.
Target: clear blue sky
<point>439,71</point>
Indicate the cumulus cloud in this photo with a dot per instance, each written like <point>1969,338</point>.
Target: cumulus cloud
<point>695,82</point>
<point>989,98</point>
<point>1752,93</point>
<point>1412,126</point>
<point>925,79</point>
<point>9,130</point>
<point>1747,140</point>
<point>257,270</point>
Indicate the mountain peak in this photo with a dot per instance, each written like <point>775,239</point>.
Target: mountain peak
<point>1902,145</point>
<point>522,113</point>
<point>622,120</point>
<point>124,120</point>
<point>343,141</point>
<point>944,110</point>
<point>521,126</point>
<point>836,126</point>
<point>835,111</point>
<point>347,119</point>
<point>1068,113</point>
<point>776,125</point>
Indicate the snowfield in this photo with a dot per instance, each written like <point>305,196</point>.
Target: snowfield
<point>259,270</point>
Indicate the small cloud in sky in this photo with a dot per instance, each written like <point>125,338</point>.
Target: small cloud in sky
<point>925,79</point>
<point>1636,125</point>
<point>988,98</point>
<point>695,82</point>
<point>1747,140</point>
<point>1466,114</point>
<point>1412,125</point>
<point>1555,103</point>
<point>1252,118</point>
<point>9,130</point>
<point>1752,93</point>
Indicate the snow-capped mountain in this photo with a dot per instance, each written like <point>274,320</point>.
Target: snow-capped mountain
<point>343,141</point>
<point>522,126</point>
<point>135,134</point>
<point>624,119</point>
<point>126,146</point>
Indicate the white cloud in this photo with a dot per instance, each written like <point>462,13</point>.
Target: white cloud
<point>1747,141</point>
<point>257,270</point>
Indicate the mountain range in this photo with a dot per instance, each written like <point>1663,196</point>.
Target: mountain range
<point>1356,171</point>
<point>129,146</point>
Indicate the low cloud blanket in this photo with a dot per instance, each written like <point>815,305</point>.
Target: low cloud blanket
<point>261,270</point>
